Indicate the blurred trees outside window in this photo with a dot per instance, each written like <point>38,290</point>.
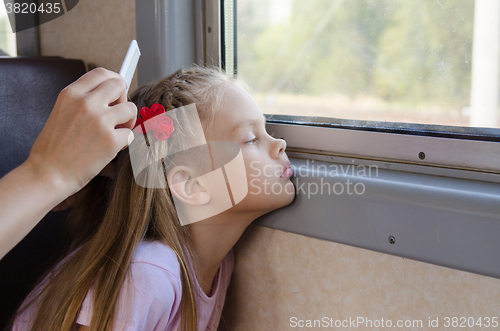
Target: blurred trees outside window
<point>384,60</point>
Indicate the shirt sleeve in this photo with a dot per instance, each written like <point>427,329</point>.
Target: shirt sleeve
<point>149,300</point>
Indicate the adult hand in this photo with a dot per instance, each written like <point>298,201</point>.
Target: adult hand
<point>89,124</point>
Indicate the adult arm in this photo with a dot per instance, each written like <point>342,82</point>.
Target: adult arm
<point>88,125</point>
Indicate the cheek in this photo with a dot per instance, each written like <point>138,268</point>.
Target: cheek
<point>264,182</point>
<point>266,190</point>
<point>264,178</point>
<point>255,176</point>
<point>252,164</point>
<point>256,168</point>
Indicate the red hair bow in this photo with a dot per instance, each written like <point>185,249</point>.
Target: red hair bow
<point>161,125</point>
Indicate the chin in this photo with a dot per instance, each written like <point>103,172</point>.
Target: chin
<point>288,195</point>
<point>262,199</point>
<point>270,202</point>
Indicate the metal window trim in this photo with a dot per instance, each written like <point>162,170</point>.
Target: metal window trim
<point>471,155</point>
<point>212,33</point>
<point>431,130</point>
<point>175,34</point>
<point>217,39</point>
<point>463,174</point>
<point>28,41</point>
<point>228,37</point>
<point>169,37</point>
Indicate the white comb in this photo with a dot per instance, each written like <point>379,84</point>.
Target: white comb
<point>130,63</point>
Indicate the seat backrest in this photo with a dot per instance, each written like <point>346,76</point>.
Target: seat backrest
<point>29,87</point>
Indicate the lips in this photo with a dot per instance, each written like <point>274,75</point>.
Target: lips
<point>287,170</point>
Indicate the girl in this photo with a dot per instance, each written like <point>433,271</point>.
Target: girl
<point>133,265</point>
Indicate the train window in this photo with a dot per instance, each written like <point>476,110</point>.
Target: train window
<point>424,68</point>
<point>7,38</point>
<point>398,61</point>
<point>399,81</point>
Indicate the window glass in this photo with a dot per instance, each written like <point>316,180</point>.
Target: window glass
<point>381,60</point>
<point>7,38</point>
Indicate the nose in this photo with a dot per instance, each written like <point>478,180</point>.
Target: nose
<point>278,148</point>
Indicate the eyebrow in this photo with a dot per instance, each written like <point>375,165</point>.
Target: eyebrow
<point>243,123</point>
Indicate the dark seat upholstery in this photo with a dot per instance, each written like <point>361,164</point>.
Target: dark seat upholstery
<point>29,87</point>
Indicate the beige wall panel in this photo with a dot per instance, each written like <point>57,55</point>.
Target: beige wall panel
<point>95,31</point>
<point>279,275</point>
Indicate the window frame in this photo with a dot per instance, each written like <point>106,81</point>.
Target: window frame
<point>475,149</point>
<point>444,146</point>
<point>392,148</point>
<point>447,146</point>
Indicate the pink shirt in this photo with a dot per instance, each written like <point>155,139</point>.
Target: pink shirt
<point>151,298</point>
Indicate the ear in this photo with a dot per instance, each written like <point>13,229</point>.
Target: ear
<point>192,191</point>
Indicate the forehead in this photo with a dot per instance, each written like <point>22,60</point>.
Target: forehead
<point>237,110</point>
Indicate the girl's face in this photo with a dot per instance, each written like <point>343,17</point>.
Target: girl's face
<point>267,166</point>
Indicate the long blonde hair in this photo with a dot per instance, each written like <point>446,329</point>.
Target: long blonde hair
<point>127,215</point>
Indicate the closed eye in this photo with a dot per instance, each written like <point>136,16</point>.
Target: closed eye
<point>252,141</point>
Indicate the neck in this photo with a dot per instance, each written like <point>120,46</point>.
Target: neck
<point>213,238</point>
